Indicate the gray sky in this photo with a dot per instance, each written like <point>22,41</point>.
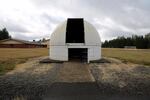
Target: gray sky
<point>34,19</point>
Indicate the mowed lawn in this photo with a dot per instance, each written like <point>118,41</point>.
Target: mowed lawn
<point>139,56</point>
<point>9,57</point>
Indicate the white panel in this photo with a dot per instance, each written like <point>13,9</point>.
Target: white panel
<point>94,53</point>
<point>97,53</point>
<point>58,37</point>
<point>91,35</point>
<point>90,52</point>
<point>59,53</point>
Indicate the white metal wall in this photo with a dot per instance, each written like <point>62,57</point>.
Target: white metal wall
<point>61,52</point>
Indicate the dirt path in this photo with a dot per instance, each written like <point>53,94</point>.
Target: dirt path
<point>75,72</point>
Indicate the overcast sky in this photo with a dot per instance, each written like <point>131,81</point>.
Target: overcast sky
<point>34,19</point>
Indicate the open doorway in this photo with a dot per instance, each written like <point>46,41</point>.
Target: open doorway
<point>77,54</point>
<point>75,30</point>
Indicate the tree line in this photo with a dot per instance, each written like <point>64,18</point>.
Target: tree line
<point>141,42</point>
<point>4,34</point>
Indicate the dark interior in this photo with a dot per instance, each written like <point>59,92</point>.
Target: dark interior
<point>77,54</point>
<point>75,31</point>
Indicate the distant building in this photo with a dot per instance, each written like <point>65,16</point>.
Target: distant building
<point>46,43</point>
<point>16,43</point>
<point>130,47</point>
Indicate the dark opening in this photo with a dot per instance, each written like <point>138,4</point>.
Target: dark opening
<point>78,54</point>
<point>75,31</point>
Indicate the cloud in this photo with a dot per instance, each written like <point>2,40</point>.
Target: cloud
<point>32,19</point>
<point>12,26</point>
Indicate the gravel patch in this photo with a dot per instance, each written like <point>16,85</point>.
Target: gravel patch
<point>29,80</point>
<point>122,78</point>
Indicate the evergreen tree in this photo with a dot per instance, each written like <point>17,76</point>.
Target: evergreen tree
<point>147,37</point>
<point>141,42</point>
<point>4,34</point>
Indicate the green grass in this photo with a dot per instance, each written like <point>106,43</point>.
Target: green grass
<point>10,57</point>
<point>139,56</point>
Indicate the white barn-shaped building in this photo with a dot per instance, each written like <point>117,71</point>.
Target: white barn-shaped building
<point>75,38</point>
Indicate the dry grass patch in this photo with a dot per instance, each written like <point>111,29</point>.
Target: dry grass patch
<point>139,56</point>
<point>9,57</point>
<point>122,78</point>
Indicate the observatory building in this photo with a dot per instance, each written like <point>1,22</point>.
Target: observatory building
<point>75,39</point>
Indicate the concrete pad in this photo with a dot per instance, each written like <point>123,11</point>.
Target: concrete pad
<point>75,72</point>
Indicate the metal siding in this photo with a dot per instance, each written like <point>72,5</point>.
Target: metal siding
<point>59,53</point>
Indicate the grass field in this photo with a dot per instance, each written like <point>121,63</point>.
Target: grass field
<point>10,57</point>
<point>139,56</point>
